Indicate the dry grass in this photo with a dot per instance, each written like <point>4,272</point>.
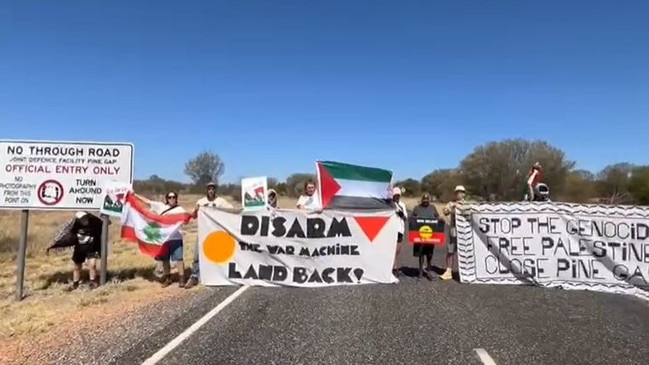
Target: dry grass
<point>48,303</point>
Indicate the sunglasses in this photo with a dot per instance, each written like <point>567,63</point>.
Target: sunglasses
<point>171,197</point>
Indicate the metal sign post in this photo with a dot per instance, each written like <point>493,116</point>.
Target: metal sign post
<point>104,249</point>
<point>22,254</point>
<point>60,176</point>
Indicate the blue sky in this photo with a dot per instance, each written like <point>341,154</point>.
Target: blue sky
<point>272,86</point>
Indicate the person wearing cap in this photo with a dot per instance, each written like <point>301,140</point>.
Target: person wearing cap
<point>402,212</point>
<point>451,245</point>
<point>427,211</point>
<point>210,200</point>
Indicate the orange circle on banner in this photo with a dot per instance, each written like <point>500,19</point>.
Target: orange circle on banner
<point>219,247</point>
<point>425,232</point>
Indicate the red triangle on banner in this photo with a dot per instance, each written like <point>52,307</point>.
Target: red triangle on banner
<point>371,226</point>
<point>328,186</point>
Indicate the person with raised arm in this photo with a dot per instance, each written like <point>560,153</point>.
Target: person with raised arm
<point>210,200</point>
<point>310,200</point>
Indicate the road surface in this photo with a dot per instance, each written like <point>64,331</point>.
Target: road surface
<point>411,322</point>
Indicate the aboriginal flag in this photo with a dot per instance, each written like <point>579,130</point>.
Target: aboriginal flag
<point>426,231</point>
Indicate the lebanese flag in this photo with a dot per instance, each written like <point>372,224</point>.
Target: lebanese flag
<point>150,230</point>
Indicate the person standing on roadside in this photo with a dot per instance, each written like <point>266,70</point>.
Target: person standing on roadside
<point>210,200</point>
<point>157,208</point>
<point>451,245</point>
<point>272,199</point>
<point>174,247</point>
<point>402,213</point>
<point>425,210</point>
<point>310,199</point>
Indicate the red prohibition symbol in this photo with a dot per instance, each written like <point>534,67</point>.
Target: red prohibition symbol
<point>50,192</point>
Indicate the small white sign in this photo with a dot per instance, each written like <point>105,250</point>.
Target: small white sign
<point>44,175</point>
<point>114,195</point>
<point>254,193</point>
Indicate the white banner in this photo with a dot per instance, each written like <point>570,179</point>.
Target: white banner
<point>296,248</point>
<point>572,246</point>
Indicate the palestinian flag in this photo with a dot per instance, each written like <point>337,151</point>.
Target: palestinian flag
<point>150,230</point>
<point>344,186</point>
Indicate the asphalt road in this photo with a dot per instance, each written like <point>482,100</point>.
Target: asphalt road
<point>411,322</point>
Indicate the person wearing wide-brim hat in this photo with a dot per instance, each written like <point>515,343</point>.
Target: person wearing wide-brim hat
<point>428,211</point>
<point>451,245</point>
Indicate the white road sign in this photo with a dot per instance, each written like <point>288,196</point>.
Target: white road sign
<point>44,175</point>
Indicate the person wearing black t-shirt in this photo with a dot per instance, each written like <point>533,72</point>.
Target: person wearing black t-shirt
<point>427,211</point>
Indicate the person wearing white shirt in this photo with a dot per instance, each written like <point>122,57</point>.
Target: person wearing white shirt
<point>402,213</point>
<point>210,200</point>
<point>174,251</point>
<point>310,200</point>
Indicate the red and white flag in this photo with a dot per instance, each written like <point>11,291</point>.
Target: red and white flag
<point>149,230</point>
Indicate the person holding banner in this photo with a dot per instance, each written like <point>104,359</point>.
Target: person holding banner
<point>402,212</point>
<point>451,246</point>
<point>213,201</point>
<point>420,250</point>
<point>309,200</point>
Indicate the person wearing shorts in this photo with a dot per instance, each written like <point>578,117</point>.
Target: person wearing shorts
<point>451,245</point>
<point>425,210</point>
<point>86,231</point>
<point>173,251</point>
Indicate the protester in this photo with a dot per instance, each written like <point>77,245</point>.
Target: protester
<point>83,233</point>
<point>533,178</point>
<point>310,199</point>
<point>210,200</point>
<point>272,199</point>
<point>158,208</point>
<point>451,244</point>
<point>402,212</point>
<point>427,211</point>
<point>174,247</point>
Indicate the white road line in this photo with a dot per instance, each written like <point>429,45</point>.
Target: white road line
<point>484,357</point>
<point>155,358</point>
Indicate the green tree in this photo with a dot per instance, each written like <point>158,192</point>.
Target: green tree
<point>639,185</point>
<point>272,183</point>
<point>500,168</point>
<point>580,187</point>
<point>412,187</point>
<point>613,183</point>
<point>441,183</point>
<point>295,183</point>
<point>204,168</point>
